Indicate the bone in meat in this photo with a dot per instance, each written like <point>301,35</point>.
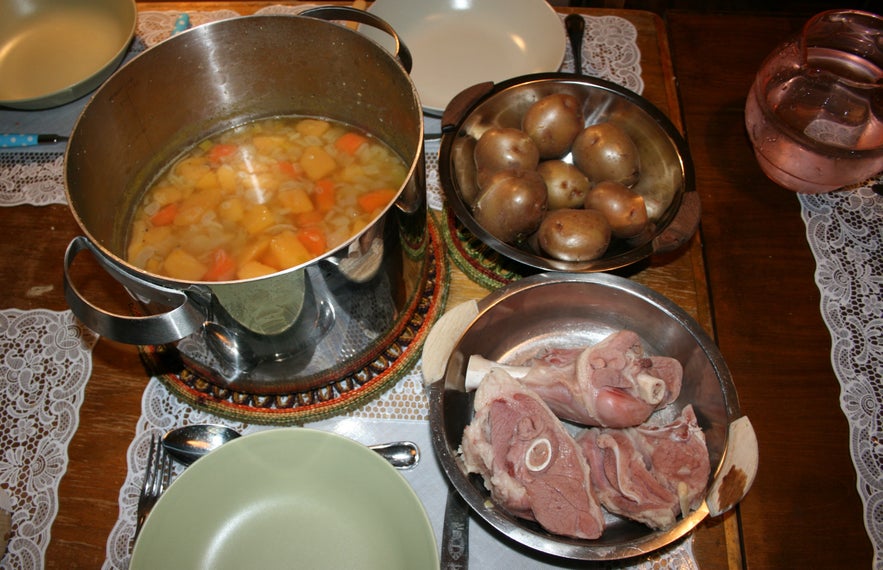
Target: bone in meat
<point>610,384</point>
<point>530,463</point>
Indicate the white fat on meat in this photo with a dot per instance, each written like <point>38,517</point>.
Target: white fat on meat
<point>530,463</point>
<point>650,474</point>
<point>609,384</point>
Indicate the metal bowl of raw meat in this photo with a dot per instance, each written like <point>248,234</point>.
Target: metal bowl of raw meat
<point>551,312</point>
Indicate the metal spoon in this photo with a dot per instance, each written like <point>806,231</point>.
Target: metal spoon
<point>400,454</point>
<point>188,443</point>
<point>576,26</point>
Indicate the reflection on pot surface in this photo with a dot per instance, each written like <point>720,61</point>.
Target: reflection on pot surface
<point>311,326</point>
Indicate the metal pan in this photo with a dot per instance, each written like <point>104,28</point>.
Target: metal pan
<point>666,182</point>
<point>570,310</point>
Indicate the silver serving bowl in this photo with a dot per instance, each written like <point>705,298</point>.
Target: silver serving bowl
<point>572,310</point>
<point>666,181</point>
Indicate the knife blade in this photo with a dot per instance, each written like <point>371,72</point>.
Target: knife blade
<point>18,140</point>
<point>455,533</point>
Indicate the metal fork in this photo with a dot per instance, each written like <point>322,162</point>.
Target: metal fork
<point>157,475</point>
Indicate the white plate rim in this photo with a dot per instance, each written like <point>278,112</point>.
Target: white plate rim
<point>534,23</point>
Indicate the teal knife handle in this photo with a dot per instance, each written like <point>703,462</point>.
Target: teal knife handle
<point>181,24</point>
<point>18,140</point>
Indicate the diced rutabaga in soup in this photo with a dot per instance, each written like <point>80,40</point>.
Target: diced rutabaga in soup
<point>261,198</point>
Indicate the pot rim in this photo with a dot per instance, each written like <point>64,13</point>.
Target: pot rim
<point>202,32</point>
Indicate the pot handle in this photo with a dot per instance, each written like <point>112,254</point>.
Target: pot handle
<point>182,320</point>
<point>330,13</point>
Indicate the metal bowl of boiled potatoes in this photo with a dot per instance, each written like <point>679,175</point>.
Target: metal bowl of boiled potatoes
<point>565,172</point>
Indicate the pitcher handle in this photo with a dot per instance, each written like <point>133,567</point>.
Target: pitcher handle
<point>402,53</point>
<point>183,318</point>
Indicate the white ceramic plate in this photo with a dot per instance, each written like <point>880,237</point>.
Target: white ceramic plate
<point>459,43</point>
<point>288,498</point>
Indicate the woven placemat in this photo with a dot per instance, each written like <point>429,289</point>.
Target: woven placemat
<point>478,261</point>
<point>340,396</point>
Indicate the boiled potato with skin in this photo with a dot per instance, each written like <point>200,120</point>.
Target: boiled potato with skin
<point>553,122</point>
<point>512,205</point>
<point>604,151</point>
<point>566,185</point>
<point>574,235</point>
<point>504,148</point>
<point>624,209</point>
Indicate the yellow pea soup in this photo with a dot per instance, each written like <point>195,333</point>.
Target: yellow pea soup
<point>262,197</point>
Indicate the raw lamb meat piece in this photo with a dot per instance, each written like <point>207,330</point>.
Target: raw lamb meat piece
<point>622,481</point>
<point>679,457</point>
<point>532,466</point>
<point>649,474</point>
<point>610,384</point>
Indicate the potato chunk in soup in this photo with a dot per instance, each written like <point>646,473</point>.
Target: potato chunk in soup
<point>261,198</point>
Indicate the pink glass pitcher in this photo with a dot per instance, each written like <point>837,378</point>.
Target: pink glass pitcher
<point>815,111</point>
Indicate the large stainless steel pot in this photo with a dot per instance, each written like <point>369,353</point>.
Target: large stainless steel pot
<point>297,328</point>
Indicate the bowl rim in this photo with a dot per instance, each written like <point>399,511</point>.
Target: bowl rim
<point>467,485</point>
<point>451,130</point>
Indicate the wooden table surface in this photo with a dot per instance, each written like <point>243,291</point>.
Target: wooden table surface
<point>803,510</point>
<point>747,277</point>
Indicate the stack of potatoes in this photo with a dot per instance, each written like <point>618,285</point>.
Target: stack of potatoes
<point>557,183</point>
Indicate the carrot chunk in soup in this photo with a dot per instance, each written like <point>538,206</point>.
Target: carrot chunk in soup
<point>223,267</point>
<point>314,240</point>
<point>262,197</point>
<point>326,197</point>
<point>165,216</point>
<point>350,142</point>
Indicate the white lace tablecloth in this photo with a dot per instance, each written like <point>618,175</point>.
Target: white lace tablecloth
<point>845,232</point>
<point>45,361</point>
